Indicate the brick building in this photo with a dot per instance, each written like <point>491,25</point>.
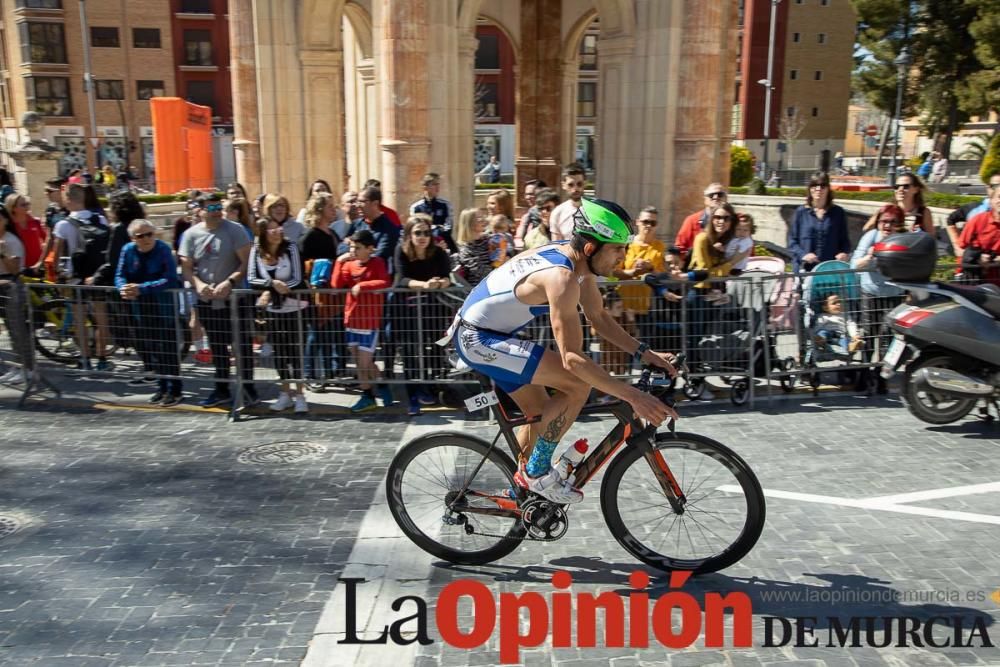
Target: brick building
<point>814,47</point>
<point>201,55</point>
<point>42,69</point>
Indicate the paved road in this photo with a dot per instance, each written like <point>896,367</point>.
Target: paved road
<point>144,539</point>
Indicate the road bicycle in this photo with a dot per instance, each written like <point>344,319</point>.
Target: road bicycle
<point>54,329</point>
<point>675,501</point>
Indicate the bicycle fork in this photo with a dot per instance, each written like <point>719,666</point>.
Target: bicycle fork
<point>644,440</point>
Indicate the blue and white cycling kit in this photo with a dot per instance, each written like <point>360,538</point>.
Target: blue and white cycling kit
<point>492,314</point>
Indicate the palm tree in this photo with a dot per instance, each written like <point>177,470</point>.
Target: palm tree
<point>978,147</point>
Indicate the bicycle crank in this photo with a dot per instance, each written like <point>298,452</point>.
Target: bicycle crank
<point>544,520</point>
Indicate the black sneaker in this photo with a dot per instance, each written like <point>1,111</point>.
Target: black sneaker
<point>171,399</point>
<point>157,397</point>
<point>138,382</point>
<point>215,399</point>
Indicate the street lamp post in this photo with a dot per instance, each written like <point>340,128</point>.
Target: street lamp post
<point>768,84</point>
<point>88,80</point>
<point>902,62</point>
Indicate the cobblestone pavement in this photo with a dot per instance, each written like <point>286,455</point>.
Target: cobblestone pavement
<point>145,540</point>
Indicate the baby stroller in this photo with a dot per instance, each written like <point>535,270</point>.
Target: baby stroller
<point>761,295</point>
<point>822,345</point>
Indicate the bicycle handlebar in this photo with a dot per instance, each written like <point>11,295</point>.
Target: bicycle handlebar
<point>643,384</point>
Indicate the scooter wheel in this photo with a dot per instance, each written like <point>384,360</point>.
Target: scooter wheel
<point>930,406</point>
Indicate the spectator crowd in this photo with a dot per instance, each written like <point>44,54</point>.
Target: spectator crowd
<point>316,285</point>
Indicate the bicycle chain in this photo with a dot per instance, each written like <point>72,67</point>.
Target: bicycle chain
<point>529,536</point>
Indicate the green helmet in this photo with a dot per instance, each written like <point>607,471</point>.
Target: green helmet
<point>603,221</point>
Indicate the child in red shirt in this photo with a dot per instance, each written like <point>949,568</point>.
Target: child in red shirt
<point>362,273</point>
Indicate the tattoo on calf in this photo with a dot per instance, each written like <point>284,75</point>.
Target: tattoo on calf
<point>555,427</point>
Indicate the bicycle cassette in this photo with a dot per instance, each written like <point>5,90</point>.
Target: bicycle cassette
<point>544,520</point>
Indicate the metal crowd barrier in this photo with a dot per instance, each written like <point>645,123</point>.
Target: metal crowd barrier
<point>749,334</point>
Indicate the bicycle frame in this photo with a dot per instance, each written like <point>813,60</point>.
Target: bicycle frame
<point>629,429</point>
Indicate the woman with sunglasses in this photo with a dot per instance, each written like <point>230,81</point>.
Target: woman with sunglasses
<point>877,296</point>
<point>145,272</point>
<point>909,196</point>
<point>818,232</point>
<point>420,265</point>
<point>644,255</point>
<point>708,260</point>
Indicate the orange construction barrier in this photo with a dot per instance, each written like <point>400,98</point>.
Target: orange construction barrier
<point>182,145</point>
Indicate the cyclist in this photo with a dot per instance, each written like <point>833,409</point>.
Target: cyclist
<point>554,279</point>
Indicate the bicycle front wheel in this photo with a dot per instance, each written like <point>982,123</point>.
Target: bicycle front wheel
<point>448,494</point>
<point>721,520</point>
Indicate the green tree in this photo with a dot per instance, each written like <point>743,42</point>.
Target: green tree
<point>980,94</point>
<point>740,166</point>
<point>944,61</point>
<point>955,47</point>
<point>882,32</point>
<point>991,163</point>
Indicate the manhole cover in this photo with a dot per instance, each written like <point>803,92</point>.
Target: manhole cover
<point>281,452</point>
<point>8,526</point>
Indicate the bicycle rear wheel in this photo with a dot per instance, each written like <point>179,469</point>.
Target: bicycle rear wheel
<point>721,521</point>
<point>424,489</point>
<point>54,333</point>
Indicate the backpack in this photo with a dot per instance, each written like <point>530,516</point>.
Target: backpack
<point>322,269</point>
<point>91,254</point>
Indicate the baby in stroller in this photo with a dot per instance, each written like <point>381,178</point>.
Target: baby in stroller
<point>833,329</point>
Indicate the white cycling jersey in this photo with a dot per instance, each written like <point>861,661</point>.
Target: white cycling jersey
<point>492,304</point>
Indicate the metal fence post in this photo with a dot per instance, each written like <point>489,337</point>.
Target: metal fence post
<point>234,317</point>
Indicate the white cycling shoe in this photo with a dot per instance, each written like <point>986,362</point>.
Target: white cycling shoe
<point>550,486</point>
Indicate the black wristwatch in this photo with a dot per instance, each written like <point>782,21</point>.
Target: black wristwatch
<point>639,351</point>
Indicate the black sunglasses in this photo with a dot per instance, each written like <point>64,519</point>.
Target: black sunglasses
<point>904,186</point>
<point>715,195</point>
<point>421,232</point>
<point>143,235</point>
<point>722,217</point>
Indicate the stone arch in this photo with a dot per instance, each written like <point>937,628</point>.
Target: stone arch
<point>617,17</point>
<point>503,28</point>
<point>467,14</point>
<point>361,23</point>
<point>361,109</point>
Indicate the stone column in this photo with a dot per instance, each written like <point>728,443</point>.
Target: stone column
<point>283,145</point>
<point>704,110</point>
<point>402,27</point>
<point>539,83</point>
<point>36,158</point>
<point>665,104</point>
<point>243,67</point>
<point>462,190</point>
